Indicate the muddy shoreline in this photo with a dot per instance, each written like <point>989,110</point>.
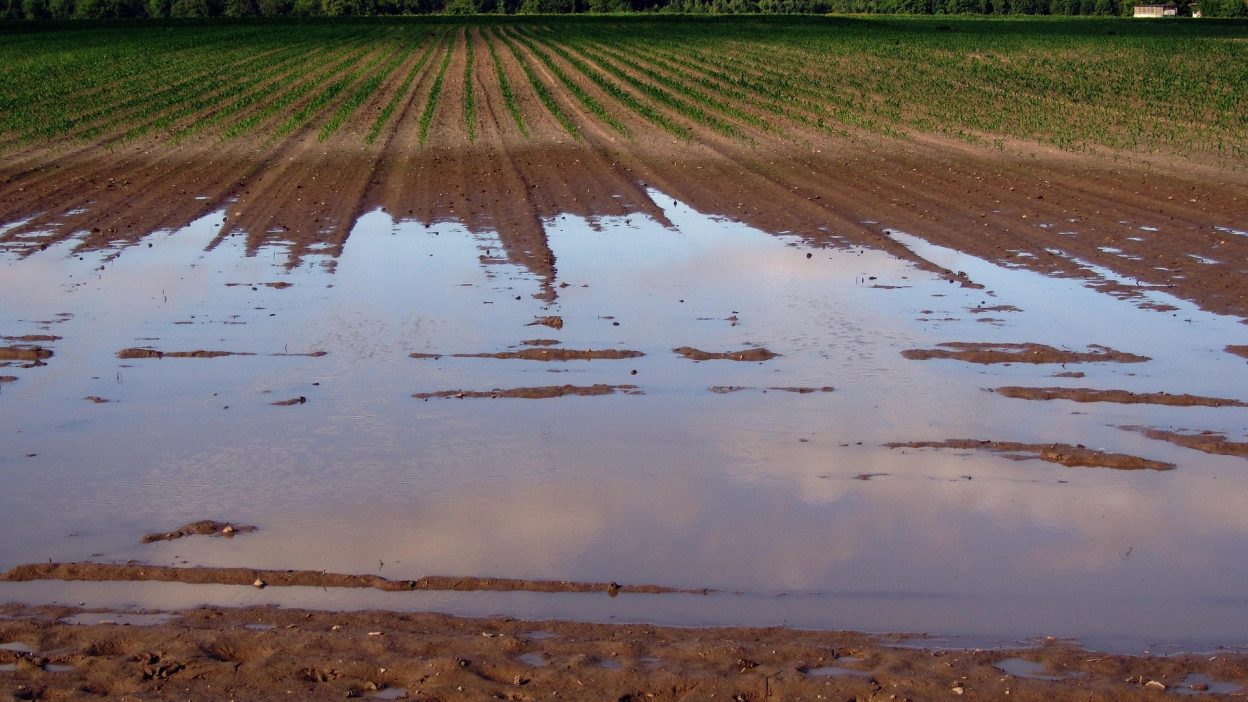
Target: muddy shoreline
<point>265,653</point>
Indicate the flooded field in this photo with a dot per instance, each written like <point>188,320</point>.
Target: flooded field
<point>623,358</point>
<point>364,420</point>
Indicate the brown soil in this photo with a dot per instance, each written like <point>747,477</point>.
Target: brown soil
<point>96,399</point>
<point>8,379</point>
<point>131,572</point>
<point>154,353</point>
<point>1207,441</point>
<point>759,354</point>
<point>542,354</point>
<point>1021,353</point>
<point>1238,350</point>
<point>538,393</point>
<point>541,342</point>
<point>552,322</point>
<point>204,527</point>
<point>1064,454</point>
<point>24,353</point>
<point>1118,396</point>
<point>725,389</point>
<point>291,402</point>
<point>30,338</point>
<point>280,285</point>
<point>268,653</point>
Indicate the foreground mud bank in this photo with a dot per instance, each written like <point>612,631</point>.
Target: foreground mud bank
<point>267,653</point>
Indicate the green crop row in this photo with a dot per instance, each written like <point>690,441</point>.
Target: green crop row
<point>435,92</point>
<point>504,87</point>
<point>470,102</point>
<point>388,111</point>
<point>1176,87</point>
<point>539,88</point>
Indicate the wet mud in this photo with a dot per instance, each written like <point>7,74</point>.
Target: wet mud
<point>747,355</point>
<point>1124,397</point>
<point>258,577</point>
<point>1205,441</point>
<point>203,527</point>
<point>546,354</point>
<point>986,353</point>
<point>133,353</point>
<point>267,653</point>
<point>24,353</point>
<point>544,392</point>
<point>1072,456</point>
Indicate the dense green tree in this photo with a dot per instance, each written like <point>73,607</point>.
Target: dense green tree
<point>36,9</point>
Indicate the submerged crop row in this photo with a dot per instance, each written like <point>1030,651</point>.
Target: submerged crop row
<point>1180,88</point>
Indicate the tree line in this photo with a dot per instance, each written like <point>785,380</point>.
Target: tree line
<point>122,9</point>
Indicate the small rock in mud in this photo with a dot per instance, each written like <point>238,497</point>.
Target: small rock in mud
<point>292,401</point>
<point>97,400</point>
<point>540,342</point>
<point>754,355</point>
<point>204,527</point>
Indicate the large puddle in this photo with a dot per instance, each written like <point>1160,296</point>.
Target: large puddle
<point>718,473</point>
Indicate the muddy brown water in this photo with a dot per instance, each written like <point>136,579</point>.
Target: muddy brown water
<point>753,494</point>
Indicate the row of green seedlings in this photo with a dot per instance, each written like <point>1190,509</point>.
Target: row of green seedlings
<point>737,87</point>
<point>296,90</point>
<point>504,86</point>
<point>161,109</point>
<point>435,92</point>
<point>606,49</point>
<point>587,101</point>
<point>470,103</point>
<point>619,94</point>
<point>388,111</point>
<point>262,87</point>
<point>788,80</point>
<point>41,86</point>
<point>327,95</point>
<point>210,93</point>
<point>362,93</point>
<point>125,102</point>
<point>655,93</point>
<point>539,88</point>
